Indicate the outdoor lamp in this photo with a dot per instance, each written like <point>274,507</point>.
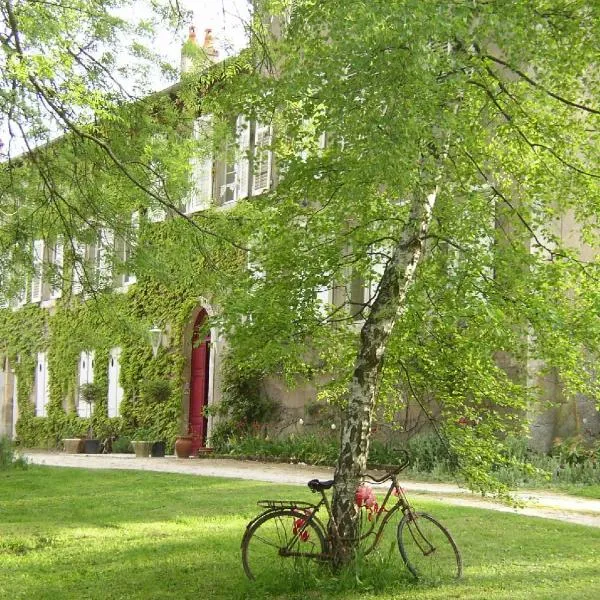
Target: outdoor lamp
<point>155,339</point>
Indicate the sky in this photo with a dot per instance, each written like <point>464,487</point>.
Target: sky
<point>226,18</point>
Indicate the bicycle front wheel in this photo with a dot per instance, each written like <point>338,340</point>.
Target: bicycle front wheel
<point>428,549</point>
<point>282,542</point>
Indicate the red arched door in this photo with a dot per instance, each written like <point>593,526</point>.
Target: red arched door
<point>199,383</point>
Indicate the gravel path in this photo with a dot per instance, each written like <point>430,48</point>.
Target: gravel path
<point>537,503</point>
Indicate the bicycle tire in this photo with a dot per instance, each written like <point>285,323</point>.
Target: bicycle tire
<point>427,548</point>
<point>268,535</point>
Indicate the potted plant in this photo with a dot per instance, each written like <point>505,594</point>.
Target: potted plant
<point>153,393</point>
<point>142,442</point>
<point>90,393</point>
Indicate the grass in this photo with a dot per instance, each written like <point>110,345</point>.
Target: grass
<point>69,533</point>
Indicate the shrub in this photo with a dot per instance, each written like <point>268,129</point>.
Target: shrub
<point>8,458</point>
<point>122,445</point>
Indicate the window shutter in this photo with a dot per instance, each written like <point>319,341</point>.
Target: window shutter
<point>201,190</point>
<point>38,265</point>
<point>58,259</point>
<point>78,267</point>
<point>106,244</point>
<point>242,164</point>
<point>324,298</point>
<point>115,391</point>
<point>378,265</point>
<point>255,268</point>
<point>21,298</point>
<point>262,159</point>
<point>42,392</point>
<point>130,278</point>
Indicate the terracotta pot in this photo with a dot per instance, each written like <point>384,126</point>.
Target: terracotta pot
<point>183,446</point>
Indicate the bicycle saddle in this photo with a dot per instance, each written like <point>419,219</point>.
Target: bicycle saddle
<point>318,486</point>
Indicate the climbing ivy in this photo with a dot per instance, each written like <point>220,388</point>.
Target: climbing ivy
<point>174,273</point>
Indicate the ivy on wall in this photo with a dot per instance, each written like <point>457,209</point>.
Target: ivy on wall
<point>173,274</point>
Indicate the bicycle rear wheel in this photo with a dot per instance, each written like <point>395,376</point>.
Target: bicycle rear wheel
<point>428,549</point>
<point>282,542</point>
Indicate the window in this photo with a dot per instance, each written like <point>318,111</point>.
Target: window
<point>102,261</point>
<point>56,259</point>
<point>86,375</point>
<point>125,251</point>
<point>42,393</point>
<point>78,267</point>
<point>115,391</point>
<point>201,190</point>
<point>236,173</point>
<point>38,267</point>
<point>262,157</point>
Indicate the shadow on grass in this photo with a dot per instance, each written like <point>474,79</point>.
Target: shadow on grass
<point>70,533</point>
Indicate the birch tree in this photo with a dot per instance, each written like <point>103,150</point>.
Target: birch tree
<point>443,143</point>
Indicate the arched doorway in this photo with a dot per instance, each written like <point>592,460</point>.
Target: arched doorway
<point>199,379</point>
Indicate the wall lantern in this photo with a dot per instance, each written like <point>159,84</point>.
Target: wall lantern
<point>155,339</point>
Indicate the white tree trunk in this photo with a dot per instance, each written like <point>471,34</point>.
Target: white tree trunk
<point>387,307</point>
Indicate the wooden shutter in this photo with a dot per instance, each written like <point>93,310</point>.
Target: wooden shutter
<point>78,267</point>
<point>378,265</point>
<point>38,266</point>
<point>201,189</point>
<point>115,391</point>
<point>130,278</point>
<point>58,260</point>
<point>262,159</point>
<point>324,299</point>
<point>242,165</point>
<point>106,243</point>
<point>21,298</point>
<point>42,392</point>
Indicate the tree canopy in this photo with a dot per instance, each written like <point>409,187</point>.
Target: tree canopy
<point>441,155</point>
<point>483,114</point>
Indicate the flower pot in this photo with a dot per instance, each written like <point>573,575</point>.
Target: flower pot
<point>73,445</point>
<point>142,449</point>
<point>204,452</point>
<point>183,446</point>
<point>91,446</point>
<point>158,450</point>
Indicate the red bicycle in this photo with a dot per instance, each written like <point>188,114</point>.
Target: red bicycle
<point>289,535</point>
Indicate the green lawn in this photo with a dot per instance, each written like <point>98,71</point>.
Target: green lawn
<point>68,533</point>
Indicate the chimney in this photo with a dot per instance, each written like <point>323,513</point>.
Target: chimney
<point>210,51</point>
<point>188,50</point>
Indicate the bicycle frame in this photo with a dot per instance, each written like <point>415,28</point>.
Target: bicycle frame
<point>380,521</point>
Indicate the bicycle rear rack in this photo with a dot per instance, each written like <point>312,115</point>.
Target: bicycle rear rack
<point>285,504</point>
